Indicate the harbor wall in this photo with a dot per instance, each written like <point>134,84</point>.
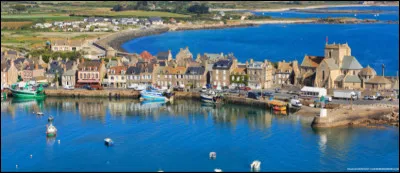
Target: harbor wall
<point>381,114</point>
<point>94,93</point>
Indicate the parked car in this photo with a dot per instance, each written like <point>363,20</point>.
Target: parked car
<point>234,91</point>
<point>267,93</point>
<point>88,87</point>
<point>366,97</point>
<point>372,98</point>
<point>178,89</point>
<point>253,95</point>
<point>380,98</point>
<point>245,88</point>
<point>277,90</point>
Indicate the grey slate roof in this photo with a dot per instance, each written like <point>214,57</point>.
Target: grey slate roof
<point>223,64</point>
<point>195,71</point>
<point>339,78</point>
<point>162,55</point>
<point>352,79</point>
<point>351,63</point>
<point>155,19</point>
<point>132,70</point>
<point>162,63</point>
<point>331,63</point>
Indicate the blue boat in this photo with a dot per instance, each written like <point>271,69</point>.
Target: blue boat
<point>155,95</point>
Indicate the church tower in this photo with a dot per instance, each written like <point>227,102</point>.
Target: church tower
<point>337,52</point>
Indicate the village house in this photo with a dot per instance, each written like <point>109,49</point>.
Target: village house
<point>55,69</point>
<point>66,45</point>
<point>286,73</point>
<point>156,21</point>
<point>239,77</point>
<point>183,57</point>
<point>91,73</point>
<point>308,68</point>
<point>375,82</point>
<point>116,76</point>
<point>68,78</point>
<point>221,73</point>
<point>260,74</point>
<point>146,56</point>
<point>164,56</point>
<point>176,76</point>
<point>10,72</point>
<point>142,73</point>
<point>196,76</point>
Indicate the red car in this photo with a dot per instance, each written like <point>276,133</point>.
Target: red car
<point>245,88</point>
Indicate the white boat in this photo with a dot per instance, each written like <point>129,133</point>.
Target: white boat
<point>67,87</point>
<point>51,130</point>
<point>355,14</point>
<point>40,113</point>
<point>108,142</point>
<point>141,87</point>
<point>210,97</point>
<point>133,86</point>
<point>217,170</point>
<point>255,165</point>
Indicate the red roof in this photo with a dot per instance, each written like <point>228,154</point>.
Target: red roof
<point>146,55</point>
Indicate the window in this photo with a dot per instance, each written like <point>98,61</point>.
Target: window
<point>354,72</point>
<point>233,77</point>
<point>224,71</point>
<point>217,72</point>
<point>224,77</point>
<point>80,76</point>
<point>97,76</point>
<point>84,75</point>
<point>158,76</point>
<point>216,78</point>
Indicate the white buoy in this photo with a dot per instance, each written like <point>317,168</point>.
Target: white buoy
<point>255,165</point>
<point>31,156</point>
<point>160,170</point>
<point>59,141</point>
<point>217,170</point>
<point>16,166</point>
<point>213,155</point>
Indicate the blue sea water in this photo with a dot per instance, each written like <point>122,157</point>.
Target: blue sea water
<point>371,44</point>
<point>179,137</point>
<point>388,13</point>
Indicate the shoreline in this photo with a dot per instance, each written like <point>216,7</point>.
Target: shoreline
<point>340,116</point>
<point>288,8</point>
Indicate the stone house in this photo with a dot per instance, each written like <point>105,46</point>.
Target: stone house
<point>378,83</point>
<point>68,78</point>
<point>10,73</point>
<point>116,76</point>
<point>366,74</point>
<point>146,56</point>
<point>260,74</point>
<point>183,57</point>
<point>176,76</point>
<point>221,72</point>
<point>196,76</point>
<point>164,56</point>
<point>142,73</point>
<point>282,73</point>
<point>156,21</point>
<point>239,76</point>
<point>66,45</point>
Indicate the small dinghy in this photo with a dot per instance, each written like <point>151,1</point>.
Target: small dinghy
<point>217,170</point>
<point>51,130</point>
<point>213,155</point>
<point>50,119</point>
<point>108,142</point>
<point>40,113</point>
<point>255,165</point>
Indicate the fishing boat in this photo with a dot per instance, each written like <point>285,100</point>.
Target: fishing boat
<point>277,105</point>
<point>210,97</point>
<point>27,91</point>
<point>51,130</point>
<point>156,95</point>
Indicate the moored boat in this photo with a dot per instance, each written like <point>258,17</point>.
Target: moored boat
<point>27,91</point>
<point>156,95</point>
<point>51,131</point>
<point>210,97</point>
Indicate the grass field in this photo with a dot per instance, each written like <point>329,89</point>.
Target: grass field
<point>14,25</point>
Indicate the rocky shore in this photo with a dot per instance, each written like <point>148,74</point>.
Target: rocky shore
<point>361,115</point>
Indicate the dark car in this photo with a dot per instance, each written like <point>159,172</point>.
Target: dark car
<point>253,95</point>
<point>267,93</point>
<point>88,87</point>
<point>380,98</point>
<point>178,89</point>
<point>277,90</point>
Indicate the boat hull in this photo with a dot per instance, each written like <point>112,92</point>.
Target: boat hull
<point>27,94</point>
<point>154,98</point>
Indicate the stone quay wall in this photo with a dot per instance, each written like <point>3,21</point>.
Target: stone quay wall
<point>94,93</point>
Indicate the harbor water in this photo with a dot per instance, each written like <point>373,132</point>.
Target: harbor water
<point>179,136</point>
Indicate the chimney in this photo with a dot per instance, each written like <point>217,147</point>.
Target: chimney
<point>65,67</point>
<point>36,66</point>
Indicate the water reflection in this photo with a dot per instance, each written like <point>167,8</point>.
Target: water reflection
<point>50,141</point>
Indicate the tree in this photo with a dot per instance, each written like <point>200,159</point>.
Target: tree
<point>19,78</point>
<point>198,9</point>
<point>117,7</point>
<point>20,7</point>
